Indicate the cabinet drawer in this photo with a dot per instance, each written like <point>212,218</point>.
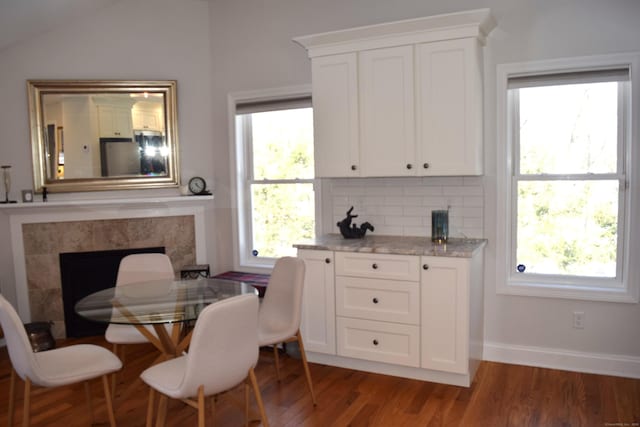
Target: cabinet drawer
<point>378,341</point>
<point>382,300</point>
<point>395,267</point>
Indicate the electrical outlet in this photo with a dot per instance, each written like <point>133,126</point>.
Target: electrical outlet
<point>578,319</point>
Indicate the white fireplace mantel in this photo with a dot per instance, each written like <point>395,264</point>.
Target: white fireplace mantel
<point>102,209</point>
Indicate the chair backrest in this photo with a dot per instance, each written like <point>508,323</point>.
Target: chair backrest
<point>20,350</point>
<point>144,267</point>
<point>224,346</point>
<point>282,303</point>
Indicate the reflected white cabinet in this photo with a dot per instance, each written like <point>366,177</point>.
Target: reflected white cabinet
<point>318,325</point>
<point>335,115</point>
<point>115,121</point>
<point>144,119</point>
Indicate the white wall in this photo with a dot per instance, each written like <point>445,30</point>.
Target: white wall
<point>131,40</point>
<point>251,43</point>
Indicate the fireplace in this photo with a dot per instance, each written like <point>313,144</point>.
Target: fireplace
<point>83,273</point>
<point>42,231</point>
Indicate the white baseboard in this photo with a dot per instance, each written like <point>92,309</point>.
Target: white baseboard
<point>595,363</point>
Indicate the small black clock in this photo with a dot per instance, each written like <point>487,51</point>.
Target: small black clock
<point>198,186</point>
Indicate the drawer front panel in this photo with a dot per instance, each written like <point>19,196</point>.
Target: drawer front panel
<point>375,266</point>
<point>378,341</point>
<point>381,300</point>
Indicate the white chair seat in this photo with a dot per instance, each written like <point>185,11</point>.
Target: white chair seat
<point>167,377</point>
<point>269,337</point>
<point>127,334</point>
<point>74,364</point>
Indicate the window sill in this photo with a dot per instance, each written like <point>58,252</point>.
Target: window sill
<point>574,292</point>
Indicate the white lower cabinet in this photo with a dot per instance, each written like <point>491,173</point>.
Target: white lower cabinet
<point>445,314</point>
<point>406,315</point>
<point>318,325</point>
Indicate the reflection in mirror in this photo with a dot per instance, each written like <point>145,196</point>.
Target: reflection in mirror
<point>103,135</point>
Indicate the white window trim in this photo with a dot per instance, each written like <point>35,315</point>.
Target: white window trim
<point>629,291</point>
<point>240,261</point>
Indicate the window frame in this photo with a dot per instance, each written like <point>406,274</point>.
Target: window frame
<point>242,176</point>
<point>623,289</point>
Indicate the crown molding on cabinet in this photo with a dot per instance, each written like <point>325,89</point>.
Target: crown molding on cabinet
<point>475,23</point>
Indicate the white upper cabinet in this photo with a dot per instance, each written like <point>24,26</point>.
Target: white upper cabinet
<point>400,99</point>
<point>387,125</point>
<point>115,121</point>
<point>335,115</point>
<point>449,107</point>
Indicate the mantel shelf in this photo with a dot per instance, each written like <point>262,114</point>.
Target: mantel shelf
<point>20,207</point>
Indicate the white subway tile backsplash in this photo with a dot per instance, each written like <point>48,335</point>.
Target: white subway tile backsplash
<point>402,206</point>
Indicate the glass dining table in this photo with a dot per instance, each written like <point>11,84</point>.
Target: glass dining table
<point>151,306</point>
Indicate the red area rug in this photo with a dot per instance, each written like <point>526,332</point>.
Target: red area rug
<point>258,281</point>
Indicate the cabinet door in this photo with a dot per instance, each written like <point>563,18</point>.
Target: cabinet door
<point>445,314</point>
<point>449,107</point>
<point>115,121</point>
<point>335,115</point>
<point>146,120</point>
<point>318,326</point>
<point>387,112</point>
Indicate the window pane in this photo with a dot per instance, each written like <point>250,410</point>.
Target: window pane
<point>569,129</point>
<point>283,144</point>
<point>568,227</point>
<point>283,214</point>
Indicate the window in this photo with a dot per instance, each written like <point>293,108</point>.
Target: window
<point>275,178</point>
<point>568,190</point>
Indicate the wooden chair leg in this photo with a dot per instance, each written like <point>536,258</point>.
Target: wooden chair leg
<point>201,406</point>
<point>26,411</point>
<point>108,400</point>
<point>256,392</point>
<point>306,367</point>
<point>246,403</point>
<point>277,361</point>
<point>162,411</point>
<point>87,392</point>
<point>12,397</point>
<point>152,396</point>
<point>113,376</point>
<point>213,409</point>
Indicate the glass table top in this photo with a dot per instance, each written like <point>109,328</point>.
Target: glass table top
<point>160,301</point>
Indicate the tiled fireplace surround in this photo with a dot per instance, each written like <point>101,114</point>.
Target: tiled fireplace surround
<point>40,234</point>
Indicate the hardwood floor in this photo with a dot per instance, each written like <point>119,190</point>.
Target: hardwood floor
<point>502,395</point>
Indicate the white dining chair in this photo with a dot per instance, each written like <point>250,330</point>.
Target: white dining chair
<point>136,268</point>
<point>53,368</point>
<point>281,311</point>
<point>223,352</point>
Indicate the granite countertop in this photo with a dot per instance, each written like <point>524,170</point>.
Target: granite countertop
<point>400,245</point>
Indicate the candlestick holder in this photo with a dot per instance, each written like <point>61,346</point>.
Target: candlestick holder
<point>6,177</point>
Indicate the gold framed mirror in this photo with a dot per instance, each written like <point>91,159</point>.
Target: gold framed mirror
<point>93,135</point>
